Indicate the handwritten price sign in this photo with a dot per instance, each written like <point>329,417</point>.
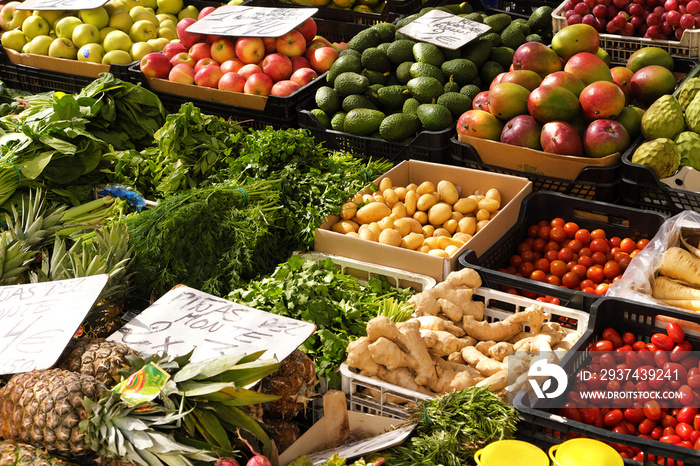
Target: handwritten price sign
<point>251,21</point>
<point>37,320</point>
<point>444,29</point>
<point>186,318</point>
<point>60,4</point>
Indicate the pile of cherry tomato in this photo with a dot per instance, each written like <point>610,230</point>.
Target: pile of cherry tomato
<point>562,254</point>
<point>647,417</point>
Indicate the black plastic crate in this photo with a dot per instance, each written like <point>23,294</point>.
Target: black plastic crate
<point>393,10</point>
<point>596,183</point>
<point>525,7</point>
<point>615,220</point>
<point>624,316</point>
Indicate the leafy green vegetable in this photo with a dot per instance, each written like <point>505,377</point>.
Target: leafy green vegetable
<point>339,304</point>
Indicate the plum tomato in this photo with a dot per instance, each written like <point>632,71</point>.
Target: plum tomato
<point>612,336</point>
<point>675,332</point>
<point>628,338</point>
<point>662,341</point>
<point>652,410</point>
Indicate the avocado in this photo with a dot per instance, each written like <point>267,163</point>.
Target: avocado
<point>384,46</point>
<point>494,37</point>
<point>427,53</point>
<point>477,51</point>
<point>424,69</point>
<point>410,106</point>
<point>385,30</point>
<point>490,70</point>
<point>455,102</point>
<point>403,72</point>
<point>462,70</point>
<point>400,51</point>
<point>425,88</point>
<point>350,83</point>
<point>349,52</point>
<point>337,121</point>
<point>363,121</point>
<point>343,64</point>
<point>398,126</point>
<point>391,80</point>
<point>327,99</point>
<point>502,55</point>
<point>541,18</point>
<point>392,97</point>
<point>451,85</point>
<point>470,90</point>
<point>498,21</point>
<point>375,59</point>
<point>514,36</point>
<point>477,16</point>
<point>375,77</point>
<point>322,117</point>
<point>364,39</point>
<point>449,54</point>
<point>434,117</point>
<point>534,38</point>
<point>404,21</point>
<point>357,101</point>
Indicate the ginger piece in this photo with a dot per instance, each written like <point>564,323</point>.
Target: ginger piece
<point>484,346</point>
<point>388,354</point>
<point>360,358</point>
<point>464,277</point>
<point>482,363</point>
<point>451,310</point>
<point>411,339</point>
<point>402,377</point>
<point>456,357</point>
<point>449,379</point>
<point>539,343</point>
<point>500,350</point>
<point>441,343</point>
<point>452,296</point>
<point>474,309</point>
<point>506,329</point>
<point>437,323</point>
<point>495,382</point>
<point>382,326</point>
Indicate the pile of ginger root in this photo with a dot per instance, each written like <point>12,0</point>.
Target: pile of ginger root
<point>449,346</point>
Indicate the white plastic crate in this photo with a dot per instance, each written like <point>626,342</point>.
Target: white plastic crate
<point>621,47</point>
<point>394,401</point>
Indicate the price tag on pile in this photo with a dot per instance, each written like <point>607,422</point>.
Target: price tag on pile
<point>38,320</point>
<point>184,319</point>
<point>444,29</point>
<point>60,4</point>
<point>251,21</point>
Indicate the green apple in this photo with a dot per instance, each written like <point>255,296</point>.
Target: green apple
<point>139,49</point>
<point>165,16</point>
<point>62,47</point>
<point>105,31</point>
<point>190,11</point>
<point>14,39</point>
<point>170,6</point>
<point>147,15</point>
<point>64,26</point>
<point>158,43</point>
<point>117,57</point>
<point>85,34</point>
<point>121,20</point>
<point>40,45</point>
<point>142,30</point>
<point>151,4</point>
<point>132,3</point>
<point>35,26</point>
<point>51,16</point>
<point>115,5</point>
<point>117,40</point>
<point>168,23</point>
<point>25,49</point>
<point>167,33</point>
<point>98,17</point>
<point>91,52</point>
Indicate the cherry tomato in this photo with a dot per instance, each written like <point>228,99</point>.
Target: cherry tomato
<point>585,261</point>
<point>628,338</point>
<point>542,264</point>
<point>595,274</point>
<point>662,341</point>
<point>553,280</point>
<point>526,268</point>
<point>601,288</point>
<point>583,235</point>
<point>538,275</point>
<point>532,231</point>
<point>628,245</point>
<point>570,280</point>
<point>538,245</point>
<point>599,245</point>
<point>515,260</point>
<point>612,336</point>
<point>524,246</point>
<point>585,251</point>
<point>599,258</point>
<point>557,222</point>
<point>557,268</point>
<point>602,345</point>
<point>551,255</point>
<point>575,245</point>
<point>543,232</point>
<point>565,254</point>
<point>675,332</point>
<point>571,228</point>
<point>641,244</point>
<point>652,410</point>
<point>624,262</point>
<point>558,234</point>
<point>611,269</point>
<point>615,241</point>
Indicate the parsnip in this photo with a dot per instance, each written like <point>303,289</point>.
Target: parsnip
<point>666,288</point>
<point>680,264</point>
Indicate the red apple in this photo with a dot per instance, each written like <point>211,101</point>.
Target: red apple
<point>188,39</point>
<point>258,84</point>
<point>247,70</point>
<point>208,76</point>
<point>182,73</point>
<point>206,61</point>
<point>250,49</point>
<point>308,29</point>
<point>321,39</point>
<point>559,137</point>
<point>270,44</point>
<point>233,64</point>
<point>211,38</point>
<point>284,88</point>
<point>155,65</point>
<point>183,57</point>
<point>299,62</point>
<point>231,82</point>
<point>277,66</point>
<point>303,76</point>
<point>223,49</point>
<point>173,48</point>
<point>205,11</point>
<point>200,50</point>
<point>322,59</point>
<point>291,44</point>
<point>605,137</point>
<point>310,48</point>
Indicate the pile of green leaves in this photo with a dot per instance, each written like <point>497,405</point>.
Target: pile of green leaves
<point>452,427</point>
<point>10,99</point>
<point>316,291</point>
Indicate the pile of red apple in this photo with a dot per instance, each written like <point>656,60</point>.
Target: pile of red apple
<point>654,19</point>
<point>262,66</point>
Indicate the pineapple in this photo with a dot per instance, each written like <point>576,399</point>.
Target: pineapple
<point>294,383</point>
<point>22,454</point>
<point>97,357</point>
<point>283,432</point>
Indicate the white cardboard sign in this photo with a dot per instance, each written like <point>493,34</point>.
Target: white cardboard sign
<point>444,29</point>
<point>60,4</point>
<point>364,447</point>
<point>38,320</point>
<point>185,318</point>
<point>251,21</point>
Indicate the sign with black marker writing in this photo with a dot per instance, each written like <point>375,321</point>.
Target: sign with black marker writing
<point>364,447</point>
<point>251,21</point>
<point>444,29</point>
<point>38,319</point>
<point>60,4</point>
<point>185,318</point>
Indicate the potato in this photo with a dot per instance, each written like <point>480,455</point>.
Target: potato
<point>416,227</point>
<point>344,226</point>
<point>494,194</point>
<point>411,186</point>
<point>425,187</point>
<point>456,216</point>
<point>372,212</point>
<point>441,232</point>
<point>424,248</point>
<point>410,202</point>
<point>426,201</point>
<point>428,230</point>
<point>390,196</point>
<point>412,241</point>
<point>380,198</point>
<point>465,205</point>
<point>483,214</point>
<point>403,226</point>
<point>421,217</point>
<point>431,242</point>
<point>439,253</point>
<point>385,183</point>
<point>376,229</point>
<point>491,205</point>
<point>399,208</point>
<point>367,198</point>
<point>352,234</point>
<point>451,249</point>
<point>450,225</point>
<point>463,237</point>
<point>390,237</point>
<point>400,192</point>
<point>358,198</point>
<point>439,213</point>
<point>444,241</point>
<point>386,223</point>
<point>348,210</point>
<point>481,224</point>
<point>467,225</point>
<point>367,233</point>
<point>448,191</point>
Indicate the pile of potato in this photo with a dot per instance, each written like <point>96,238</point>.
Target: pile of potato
<point>425,218</point>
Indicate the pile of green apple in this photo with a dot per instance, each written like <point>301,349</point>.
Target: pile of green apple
<point>264,66</point>
<point>120,32</point>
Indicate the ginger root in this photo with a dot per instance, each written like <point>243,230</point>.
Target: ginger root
<point>506,329</point>
<point>388,354</point>
<point>441,343</point>
<point>482,363</point>
<point>437,323</point>
<point>500,350</point>
<point>451,297</point>
<point>360,358</point>
<point>495,382</point>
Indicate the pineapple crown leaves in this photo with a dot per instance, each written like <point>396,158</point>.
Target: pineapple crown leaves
<point>33,222</point>
<point>15,256</point>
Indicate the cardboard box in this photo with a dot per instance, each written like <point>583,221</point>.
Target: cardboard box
<point>513,190</point>
<point>533,161</point>
<point>61,65</point>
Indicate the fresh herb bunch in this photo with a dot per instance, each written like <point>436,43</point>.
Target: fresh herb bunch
<point>316,291</point>
<point>453,426</point>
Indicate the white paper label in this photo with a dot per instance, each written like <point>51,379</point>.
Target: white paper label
<point>687,178</point>
<point>364,447</point>
<point>444,29</point>
<point>38,320</point>
<point>185,318</point>
<point>251,21</point>
<point>60,4</point>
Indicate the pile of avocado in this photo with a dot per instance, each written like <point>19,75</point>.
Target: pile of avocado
<point>387,85</point>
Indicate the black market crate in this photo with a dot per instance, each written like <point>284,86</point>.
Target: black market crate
<point>523,7</point>
<point>596,183</point>
<point>393,10</point>
<point>427,146</point>
<point>615,220</point>
<point>643,320</point>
